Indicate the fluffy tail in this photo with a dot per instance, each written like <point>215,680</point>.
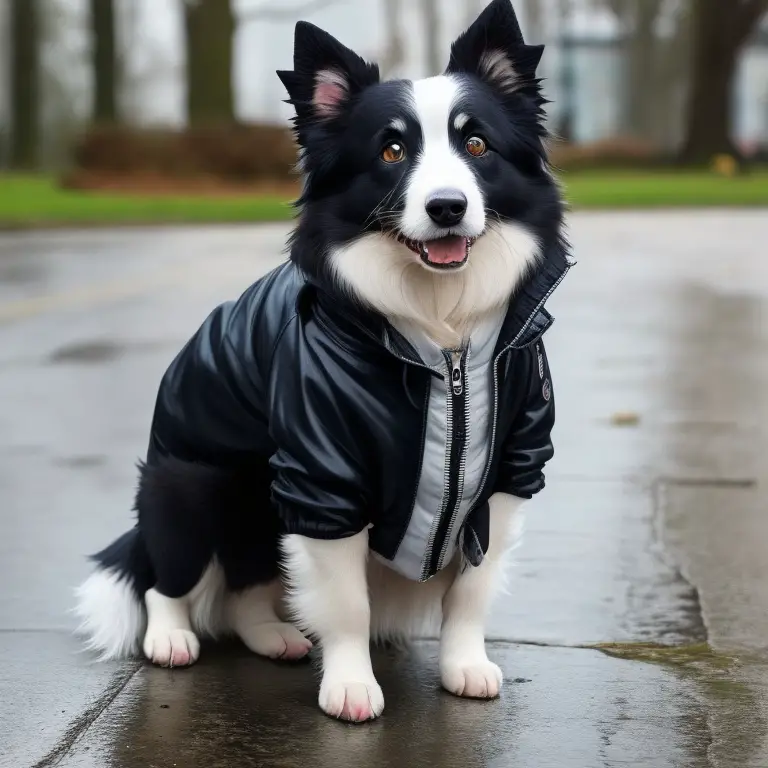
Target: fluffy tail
<point>110,601</point>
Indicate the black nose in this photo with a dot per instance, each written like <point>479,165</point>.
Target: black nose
<point>446,207</point>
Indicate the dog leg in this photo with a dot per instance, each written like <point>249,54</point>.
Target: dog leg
<point>328,595</point>
<point>465,669</point>
<point>252,614</point>
<point>169,640</point>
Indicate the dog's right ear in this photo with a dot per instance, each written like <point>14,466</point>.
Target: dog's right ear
<point>326,75</point>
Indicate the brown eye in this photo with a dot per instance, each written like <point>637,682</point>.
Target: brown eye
<point>476,146</point>
<point>394,152</point>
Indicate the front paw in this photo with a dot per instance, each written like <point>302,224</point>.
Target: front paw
<point>478,680</point>
<point>352,701</point>
<point>171,648</point>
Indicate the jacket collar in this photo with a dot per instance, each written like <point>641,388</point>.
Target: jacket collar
<point>526,319</point>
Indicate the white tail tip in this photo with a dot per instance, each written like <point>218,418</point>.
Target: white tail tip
<point>112,619</point>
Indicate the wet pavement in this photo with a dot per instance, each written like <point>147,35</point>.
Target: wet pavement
<point>635,628</point>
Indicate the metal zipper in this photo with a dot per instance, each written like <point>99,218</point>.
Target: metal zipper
<point>425,566</point>
<point>457,379</point>
<point>459,392</point>
<point>457,422</point>
<point>462,468</point>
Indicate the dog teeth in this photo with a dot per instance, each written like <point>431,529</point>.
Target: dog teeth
<point>419,247</point>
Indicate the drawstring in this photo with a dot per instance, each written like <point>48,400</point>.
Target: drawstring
<point>405,386</point>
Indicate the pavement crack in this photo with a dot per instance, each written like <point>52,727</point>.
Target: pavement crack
<point>86,719</point>
<point>698,626</point>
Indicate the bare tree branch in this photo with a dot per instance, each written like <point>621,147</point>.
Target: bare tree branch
<point>268,13</point>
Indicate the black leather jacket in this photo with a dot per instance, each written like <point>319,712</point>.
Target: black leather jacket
<point>335,401</point>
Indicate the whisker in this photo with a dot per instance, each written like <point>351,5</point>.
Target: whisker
<point>378,207</point>
<point>387,217</point>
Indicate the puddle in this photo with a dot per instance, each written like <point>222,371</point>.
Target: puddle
<point>730,687</point>
<point>100,351</point>
<point>87,352</point>
<point>23,272</point>
<point>698,655</point>
<point>80,462</point>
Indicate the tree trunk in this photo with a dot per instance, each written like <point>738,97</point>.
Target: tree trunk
<point>431,20</point>
<point>104,61</point>
<point>534,22</point>
<point>394,48</point>
<point>719,31</point>
<point>673,79</point>
<point>25,85</point>
<point>210,28</point>
<point>566,123</point>
<point>641,60</point>
<point>708,131</point>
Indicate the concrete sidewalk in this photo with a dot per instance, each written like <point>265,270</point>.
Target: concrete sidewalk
<point>652,530</point>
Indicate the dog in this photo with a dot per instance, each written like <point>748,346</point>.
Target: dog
<point>341,454</point>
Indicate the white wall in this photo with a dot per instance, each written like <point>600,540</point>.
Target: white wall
<point>752,97</point>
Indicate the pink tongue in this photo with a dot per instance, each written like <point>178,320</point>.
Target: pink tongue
<point>446,250</point>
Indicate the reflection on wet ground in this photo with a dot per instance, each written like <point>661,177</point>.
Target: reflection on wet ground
<point>249,716</point>
<point>648,542</point>
<point>104,351</point>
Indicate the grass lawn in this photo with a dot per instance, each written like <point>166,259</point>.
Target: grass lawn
<point>37,201</point>
<point>602,189</point>
<point>27,201</point>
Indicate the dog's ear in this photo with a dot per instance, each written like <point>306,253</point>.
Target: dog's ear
<point>493,49</point>
<point>326,75</point>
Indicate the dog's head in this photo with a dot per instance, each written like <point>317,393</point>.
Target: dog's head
<point>423,180</point>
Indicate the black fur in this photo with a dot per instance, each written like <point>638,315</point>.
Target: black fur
<point>189,513</point>
<point>497,29</point>
<point>345,181</point>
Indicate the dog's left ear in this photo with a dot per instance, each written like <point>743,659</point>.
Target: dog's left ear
<point>326,75</point>
<point>493,49</point>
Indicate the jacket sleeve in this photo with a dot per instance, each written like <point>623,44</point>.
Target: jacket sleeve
<point>320,475</point>
<point>210,407</point>
<point>527,447</point>
<point>208,404</point>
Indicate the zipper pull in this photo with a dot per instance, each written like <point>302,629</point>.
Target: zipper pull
<point>457,381</point>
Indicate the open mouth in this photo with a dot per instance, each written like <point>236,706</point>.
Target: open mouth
<point>449,252</point>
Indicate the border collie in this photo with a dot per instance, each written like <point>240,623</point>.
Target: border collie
<point>340,455</point>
